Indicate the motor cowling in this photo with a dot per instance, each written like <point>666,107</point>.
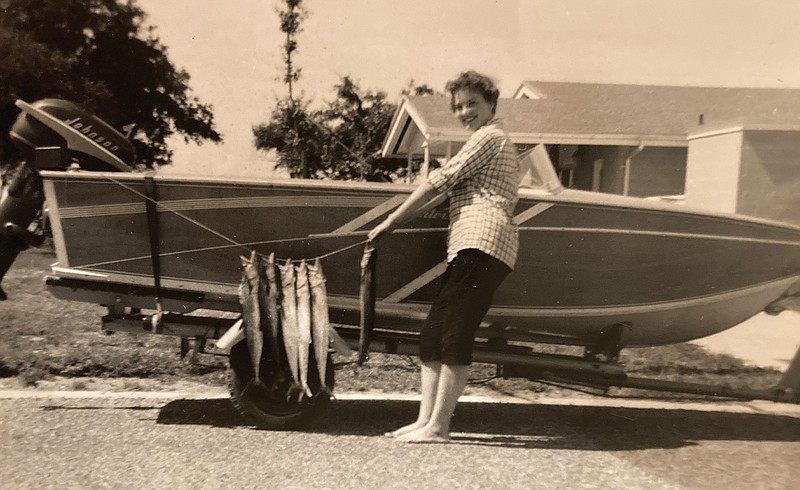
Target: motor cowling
<point>54,133</point>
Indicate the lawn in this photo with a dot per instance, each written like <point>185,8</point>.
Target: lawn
<point>46,338</point>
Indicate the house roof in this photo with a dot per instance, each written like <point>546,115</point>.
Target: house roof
<point>596,114</point>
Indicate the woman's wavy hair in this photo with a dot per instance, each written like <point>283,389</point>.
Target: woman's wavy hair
<point>473,80</point>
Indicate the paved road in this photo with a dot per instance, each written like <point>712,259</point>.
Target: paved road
<point>86,440</point>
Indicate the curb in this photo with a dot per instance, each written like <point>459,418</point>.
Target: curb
<point>745,407</point>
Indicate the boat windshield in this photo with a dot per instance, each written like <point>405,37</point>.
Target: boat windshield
<point>536,171</point>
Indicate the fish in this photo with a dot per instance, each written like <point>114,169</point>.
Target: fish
<point>251,311</point>
<point>369,261</point>
<point>270,315</point>
<point>320,323</point>
<point>303,323</point>
<point>288,315</point>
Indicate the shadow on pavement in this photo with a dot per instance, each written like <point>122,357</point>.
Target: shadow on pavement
<point>523,425</point>
<point>215,412</point>
<point>53,408</point>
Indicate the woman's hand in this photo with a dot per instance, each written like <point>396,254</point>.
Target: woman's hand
<point>380,230</point>
<point>421,195</point>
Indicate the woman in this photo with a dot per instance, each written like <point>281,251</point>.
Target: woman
<point>481,181</point>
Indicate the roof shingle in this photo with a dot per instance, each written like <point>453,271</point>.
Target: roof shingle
<point>588,108</point>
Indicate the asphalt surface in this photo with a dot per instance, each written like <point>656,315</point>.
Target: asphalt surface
<point>196,440</point>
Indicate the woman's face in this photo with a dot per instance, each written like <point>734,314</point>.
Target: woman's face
<point>471,108</point>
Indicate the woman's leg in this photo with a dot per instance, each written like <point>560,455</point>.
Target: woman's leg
<point>430,350</point>
<point>452,380</point>
<point>473,280</point>
<point>429,384</point>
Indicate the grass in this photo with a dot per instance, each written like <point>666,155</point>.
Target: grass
<point>44,337</point>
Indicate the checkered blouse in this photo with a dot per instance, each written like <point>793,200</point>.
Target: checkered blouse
<point>481,181</point>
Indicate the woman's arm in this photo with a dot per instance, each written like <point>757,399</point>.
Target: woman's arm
<point>477,152</point>
<point>421,196</point>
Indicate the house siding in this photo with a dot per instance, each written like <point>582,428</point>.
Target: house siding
<point>658,171</point>
<point>712,172</point>
<point>769,182</point>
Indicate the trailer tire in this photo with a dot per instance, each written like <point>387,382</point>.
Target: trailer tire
<point>280,409</point>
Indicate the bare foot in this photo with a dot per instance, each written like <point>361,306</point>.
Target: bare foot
<point>424,435</point>
<point>406,429</point>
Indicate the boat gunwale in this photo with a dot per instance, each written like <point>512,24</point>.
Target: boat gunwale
<point>564,197</point>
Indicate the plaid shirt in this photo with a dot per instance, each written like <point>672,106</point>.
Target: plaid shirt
<point>481,181</point>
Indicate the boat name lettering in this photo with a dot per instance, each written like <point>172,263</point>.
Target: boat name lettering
<point>87,131</point>
<point>436,214</point>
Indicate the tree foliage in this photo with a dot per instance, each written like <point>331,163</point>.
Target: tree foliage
<point>358,121</point>
<point>341,141</point>
<point>414,89</point>
<point>294,133</point>
<point>291,16</point>
<point>99,54</point>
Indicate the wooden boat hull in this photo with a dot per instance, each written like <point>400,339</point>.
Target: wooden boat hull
<point>587,261</point>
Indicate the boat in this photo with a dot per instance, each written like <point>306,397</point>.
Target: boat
<point>585,261</point>
<point>594,270</point>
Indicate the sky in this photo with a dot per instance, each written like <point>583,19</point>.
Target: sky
<point>232,51</point>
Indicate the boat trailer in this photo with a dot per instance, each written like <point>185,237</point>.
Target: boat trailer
<point>598,368</point>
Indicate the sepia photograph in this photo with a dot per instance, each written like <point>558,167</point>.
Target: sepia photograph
<point>528,244</point>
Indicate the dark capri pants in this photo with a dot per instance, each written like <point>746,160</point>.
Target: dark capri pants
<point>464,297</point>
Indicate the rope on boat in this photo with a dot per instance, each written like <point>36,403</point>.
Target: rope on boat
<point>233,242</point>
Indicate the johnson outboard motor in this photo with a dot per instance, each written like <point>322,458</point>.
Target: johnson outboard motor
<point>53,134</point>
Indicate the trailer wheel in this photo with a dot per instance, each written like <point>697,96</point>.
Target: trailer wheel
<point>275,404</point>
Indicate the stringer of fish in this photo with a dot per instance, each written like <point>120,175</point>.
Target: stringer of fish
<point>289,303</point>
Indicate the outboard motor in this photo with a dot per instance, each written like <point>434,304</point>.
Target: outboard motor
<point>53,134</point>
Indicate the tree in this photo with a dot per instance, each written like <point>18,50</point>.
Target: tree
<point>357,123</point>
<point>293,132</point>
<point>342,140</point>
<point>98,54</point>
<point>290,17</point>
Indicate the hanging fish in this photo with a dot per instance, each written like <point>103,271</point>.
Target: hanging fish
<point>320,325</point>
<point>270,315</point>
<point>303,323</point>
<point>288,315</point>
<point>367,296</point>
<point>251,311</point>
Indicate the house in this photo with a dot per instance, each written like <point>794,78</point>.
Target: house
<point>638,140</point>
